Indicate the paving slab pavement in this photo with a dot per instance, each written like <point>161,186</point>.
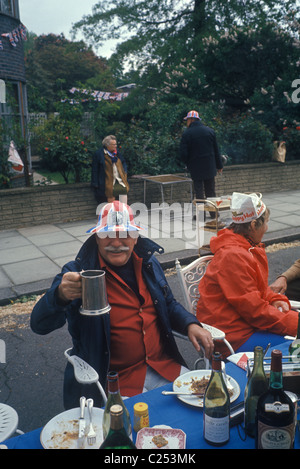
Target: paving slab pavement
<point>30,257</point>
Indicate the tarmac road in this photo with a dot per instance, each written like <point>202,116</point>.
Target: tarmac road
<point>31,380</point>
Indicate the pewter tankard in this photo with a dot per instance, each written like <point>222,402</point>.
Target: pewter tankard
<point>94,294</point>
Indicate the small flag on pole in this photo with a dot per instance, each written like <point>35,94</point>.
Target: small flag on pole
<point>14,159</point>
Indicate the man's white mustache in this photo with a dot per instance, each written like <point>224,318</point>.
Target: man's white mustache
<point>119,249</point>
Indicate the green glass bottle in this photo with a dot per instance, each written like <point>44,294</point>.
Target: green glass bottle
<point>117,437</point>
<point>216,406</point>
<point>256,386</point>
<point>114,397</point>
<point>275,415</point>
<point>294,348</point>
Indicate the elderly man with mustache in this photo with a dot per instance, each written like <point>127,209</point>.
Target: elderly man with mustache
<point>136,338</point>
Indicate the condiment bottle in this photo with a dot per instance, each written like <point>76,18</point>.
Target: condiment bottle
<point>141,416</point>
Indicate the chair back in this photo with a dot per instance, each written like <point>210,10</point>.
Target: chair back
<point>189,278</point>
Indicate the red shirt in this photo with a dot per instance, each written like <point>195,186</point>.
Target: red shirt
<point>135,336</point>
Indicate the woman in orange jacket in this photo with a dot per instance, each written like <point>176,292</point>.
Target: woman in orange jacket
<point>234,292</point>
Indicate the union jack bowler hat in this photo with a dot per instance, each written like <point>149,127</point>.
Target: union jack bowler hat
<point>115,216</point>
<point>192,115</point>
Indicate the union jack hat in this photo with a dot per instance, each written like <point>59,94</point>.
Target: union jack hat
<point>115,216</point>
<point>192,115</point>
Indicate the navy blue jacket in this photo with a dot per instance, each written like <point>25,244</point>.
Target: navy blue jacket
<point>200,152</point>
<point>91,335</point>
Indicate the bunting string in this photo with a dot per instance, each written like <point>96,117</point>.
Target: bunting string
<point>18,34</point>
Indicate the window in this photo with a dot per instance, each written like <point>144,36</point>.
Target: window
<point>9,7</point>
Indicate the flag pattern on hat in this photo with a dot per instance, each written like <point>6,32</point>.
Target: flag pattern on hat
<point>115,216</point>
<point>192,115</point>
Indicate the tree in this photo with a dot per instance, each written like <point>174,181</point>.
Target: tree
<point>55,65</point>
<point>165,30</point>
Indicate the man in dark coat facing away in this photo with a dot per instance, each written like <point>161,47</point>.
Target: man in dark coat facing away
<point>199,151</point>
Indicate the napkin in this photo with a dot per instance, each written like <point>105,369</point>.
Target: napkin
<point>241,359</point>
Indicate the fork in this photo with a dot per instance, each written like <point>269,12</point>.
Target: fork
<point>91,437</point>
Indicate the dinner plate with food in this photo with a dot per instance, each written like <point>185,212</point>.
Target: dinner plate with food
<point>62,432</point>
<point>190,387</point>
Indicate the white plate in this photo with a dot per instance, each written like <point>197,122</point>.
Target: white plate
<point>183,383</point>
<point>174,437</point>
<point>295,304</point>
<point>61,432</point>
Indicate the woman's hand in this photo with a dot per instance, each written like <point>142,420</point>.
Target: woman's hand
<point>281,305</point>
<point>197,334</point>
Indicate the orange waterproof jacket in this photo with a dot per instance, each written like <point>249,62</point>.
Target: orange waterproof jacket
<point>234,292</point>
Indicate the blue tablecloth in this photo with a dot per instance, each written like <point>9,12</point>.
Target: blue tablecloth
<point>169,410</point>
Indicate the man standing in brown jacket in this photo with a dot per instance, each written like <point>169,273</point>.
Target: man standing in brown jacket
<point>109,172</point>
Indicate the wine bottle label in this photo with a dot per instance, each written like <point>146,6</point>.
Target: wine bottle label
<point>216,430</point>
<point>295,356</point>
<point>275,438</point>
<point>277,407</point>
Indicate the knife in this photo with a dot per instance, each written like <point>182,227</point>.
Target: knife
<point>183,393</point>
<point>81,432</point>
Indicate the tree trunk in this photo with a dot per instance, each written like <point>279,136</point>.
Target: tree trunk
<point>199,18</point>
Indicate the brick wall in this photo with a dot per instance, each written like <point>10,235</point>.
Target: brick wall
<point>263,177</point>
<point>45,204</point>
<point>60,203</point>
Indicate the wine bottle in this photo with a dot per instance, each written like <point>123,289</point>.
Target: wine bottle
<point>117,437</point>
<point>256,386</point>
<point>275,424</point>
<point>216,406</point>
<point>114,397</point>
<point>294,348</point>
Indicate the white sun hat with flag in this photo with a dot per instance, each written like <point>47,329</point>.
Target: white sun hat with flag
<point>246,207</point>
<point>115,216</point>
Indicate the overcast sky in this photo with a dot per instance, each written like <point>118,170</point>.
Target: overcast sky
<point>56,16</point>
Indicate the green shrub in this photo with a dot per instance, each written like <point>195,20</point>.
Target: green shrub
<point>245,140</point>
<point>63,148</point>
